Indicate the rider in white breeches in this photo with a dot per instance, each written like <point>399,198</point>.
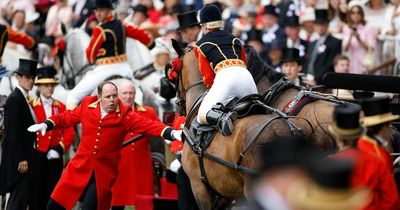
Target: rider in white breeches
<point>222,63</point>
<point>107,50</point>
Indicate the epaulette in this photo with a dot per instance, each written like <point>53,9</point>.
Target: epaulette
<point>36,102</point>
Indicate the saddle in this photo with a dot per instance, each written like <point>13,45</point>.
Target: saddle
<point>246,106</point>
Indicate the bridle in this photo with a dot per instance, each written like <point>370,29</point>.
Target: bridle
<point>181,96</point>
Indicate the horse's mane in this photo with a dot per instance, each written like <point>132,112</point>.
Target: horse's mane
<point>258,67</point>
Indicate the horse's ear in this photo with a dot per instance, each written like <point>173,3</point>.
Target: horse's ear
<point>177,48</point>
<point>63,29</point>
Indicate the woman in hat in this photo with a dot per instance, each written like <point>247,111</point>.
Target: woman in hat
<point>368,171</point>
<point>51,147</point>
<point>359,39</point>
<point>222,63</point>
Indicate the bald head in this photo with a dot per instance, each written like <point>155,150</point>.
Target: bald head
<point>127,92</point>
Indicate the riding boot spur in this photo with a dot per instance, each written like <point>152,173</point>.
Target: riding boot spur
<point>224,121</point>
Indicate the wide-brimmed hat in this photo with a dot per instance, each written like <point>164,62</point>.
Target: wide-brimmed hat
<point>187,19</point>
<point>329,188</point>
<point>347,122</point>
<point>321,16</point>
<point>291,54</point>
<point>104,4</point>
<point>46,75</point>
<point>27,67</point>
<point>271,10</point>
<point>377,111</point>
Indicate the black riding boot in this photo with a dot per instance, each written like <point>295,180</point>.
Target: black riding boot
<point>224,121</point>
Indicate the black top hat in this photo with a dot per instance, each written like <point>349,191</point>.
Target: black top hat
<point>187,20</point>
<point>321,16</point>
<point>292,21</point>
<point>104,4</point>
<point>27,67</point>
<point>210,13</point>
<point>46,75</point>
<point>271,10</point>
<point>277,43</point>
<point>177,9</point>
<point>347,122</point>
<point>140,8</point>
<point>291,54</point>
<point>291,151</point>
<point>254,35</point>
<point>330,187</point>
<point>377,111</point>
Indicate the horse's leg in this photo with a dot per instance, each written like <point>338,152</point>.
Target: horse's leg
<point>203,198</point>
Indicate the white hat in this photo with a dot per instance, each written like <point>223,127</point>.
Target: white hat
<point>307,15</point>
<point>353,3</point>
<point>31,16</point>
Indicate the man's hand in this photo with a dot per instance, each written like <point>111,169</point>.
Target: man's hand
<point>177,134</point>
<point>23,166</point>
<point>52,154</point>
<point>38,127</point>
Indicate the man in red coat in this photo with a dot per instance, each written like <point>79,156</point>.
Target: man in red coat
<point>377,116</point>
<point>135,176</point>
<point>368,171</point>
<point>51,147</point>
<point>105,122</point>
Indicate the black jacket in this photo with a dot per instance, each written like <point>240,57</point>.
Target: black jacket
<point>18,143</point>
<point>324,61</point>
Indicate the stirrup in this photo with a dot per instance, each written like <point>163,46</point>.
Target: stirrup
<point>225,124</point>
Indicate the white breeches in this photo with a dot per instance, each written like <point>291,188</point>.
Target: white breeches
<point>93,78</point>
<point>229,82</point>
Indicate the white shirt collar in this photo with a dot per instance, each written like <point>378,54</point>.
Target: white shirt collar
<point>24,92</point>
<point>46,100</point>
<point>102,112</point>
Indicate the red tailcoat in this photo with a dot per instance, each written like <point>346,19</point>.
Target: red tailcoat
<point>373,174</point>
<point>135,167</point>
<point>100,148</point>
<point>372,147</point>
<point>9,34</point>
<point>63,137</point>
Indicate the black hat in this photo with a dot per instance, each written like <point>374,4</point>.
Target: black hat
<point>292,21</point>
<point>167,90</point>
<point>140,8</point>
<point>291,151</point>
<point>177,9</point>
<point>104,4</point>
<point>321,16</point>
<point>330,188</point>
<point>291,54</point>
<point>254,35</point>
<point>27,67</point>
<point>347,122</point>
<point>46,75</point>
<point>277,43</point>
<point>210,13</point>
<point>271,10</point>
<point>187,20</point>
<point>361,94</point>
<point>377,111</point>
<point>395,104</point>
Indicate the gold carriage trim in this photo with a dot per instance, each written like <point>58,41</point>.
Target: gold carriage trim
<point>113,59</point>
<point>229,63</point>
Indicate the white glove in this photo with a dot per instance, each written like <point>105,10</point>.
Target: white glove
<point>177,134</point>
<point>175,165</point>
<point>52,154</point>
<point>38,127</point>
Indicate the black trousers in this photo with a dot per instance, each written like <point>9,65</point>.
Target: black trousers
<point>45,177</point>
<point>20,196</point>
<point>89,200</point>
<point>186,198</point>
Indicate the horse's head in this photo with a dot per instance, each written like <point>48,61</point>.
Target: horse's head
<point>184,72</point>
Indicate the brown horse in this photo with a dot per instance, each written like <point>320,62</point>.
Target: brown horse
<point>227,182</point>
<point>318,113</point>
